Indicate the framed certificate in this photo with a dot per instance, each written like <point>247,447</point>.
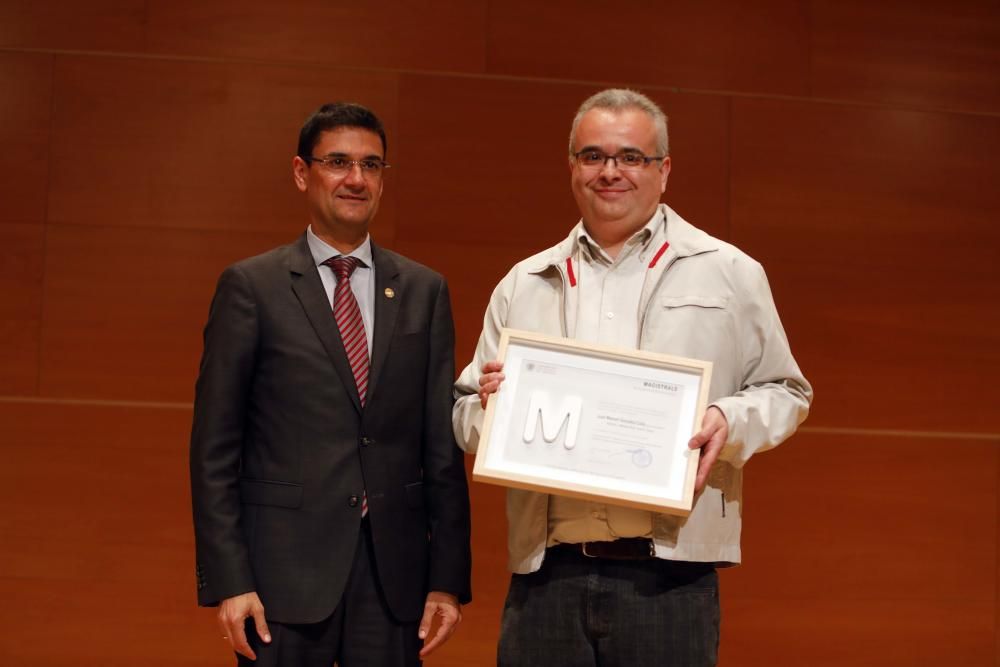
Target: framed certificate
<point>594,422</point>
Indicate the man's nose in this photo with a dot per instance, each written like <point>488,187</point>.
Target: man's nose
<point>610,167</point>
<point>354,175</point>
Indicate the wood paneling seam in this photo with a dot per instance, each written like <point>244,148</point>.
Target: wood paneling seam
<point>597,84</point>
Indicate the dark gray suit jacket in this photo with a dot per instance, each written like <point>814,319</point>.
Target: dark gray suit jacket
<point>281,448</point>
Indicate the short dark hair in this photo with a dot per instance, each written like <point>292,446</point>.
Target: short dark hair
<point>332,116</point>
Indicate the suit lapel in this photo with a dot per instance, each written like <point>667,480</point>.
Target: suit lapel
<point>388,296</point>
<point>308,288</point>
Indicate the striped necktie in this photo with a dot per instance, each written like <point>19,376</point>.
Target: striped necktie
<point>348,316</point>
<point>352,330</point>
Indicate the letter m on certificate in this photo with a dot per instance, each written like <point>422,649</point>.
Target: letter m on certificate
<point>541,410</point>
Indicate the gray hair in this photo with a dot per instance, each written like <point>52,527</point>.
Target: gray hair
<point>620,99</point>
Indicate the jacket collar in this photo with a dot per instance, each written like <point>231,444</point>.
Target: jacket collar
<point>300,259</point>
<point>684,238</point>
<point>388,297</point>
<point>308,288</point>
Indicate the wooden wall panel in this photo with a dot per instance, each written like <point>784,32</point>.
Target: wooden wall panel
<point>479,164</point>
<point>102,25</point>
<point>834,633</point>
<point>721,45</point>
<point>125,307</point>
<point>928,54</point>
<point>698,188</point>
<point>21,261</point>
<point>444,35</point>
<point>26,82</point>
<point>485,162</point>
<point>97,559</point>
<point>878,231</point>
<point>866,550</point>
<point>191,144</point>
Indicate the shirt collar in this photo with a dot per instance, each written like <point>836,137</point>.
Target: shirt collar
<point>591,250</point>
<point>322,251</point>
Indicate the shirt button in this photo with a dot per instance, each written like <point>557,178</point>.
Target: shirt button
<point>353,501</point>
<point>611,315</point>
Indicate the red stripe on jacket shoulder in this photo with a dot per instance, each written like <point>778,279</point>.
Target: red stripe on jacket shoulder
<point>659,253</point>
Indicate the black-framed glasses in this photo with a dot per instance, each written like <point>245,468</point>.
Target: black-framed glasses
<point>340,165</point>
<point>592,158</point>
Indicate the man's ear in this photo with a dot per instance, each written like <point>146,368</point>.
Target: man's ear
<point>664,174</point>
<point>300,173</point>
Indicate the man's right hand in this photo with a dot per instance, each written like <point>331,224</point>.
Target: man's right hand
<point>232,614</point>
<point>489,380</point>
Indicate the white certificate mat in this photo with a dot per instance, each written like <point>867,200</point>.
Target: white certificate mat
<point>594,422</point>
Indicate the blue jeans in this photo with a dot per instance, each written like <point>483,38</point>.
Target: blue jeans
<point>578,611</point>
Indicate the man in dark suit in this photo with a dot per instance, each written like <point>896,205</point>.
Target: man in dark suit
<point>330,502</point>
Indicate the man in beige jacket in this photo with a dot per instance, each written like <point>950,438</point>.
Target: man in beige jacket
<point>601,584</point>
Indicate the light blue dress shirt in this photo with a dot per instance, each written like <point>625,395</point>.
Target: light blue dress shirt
<point>362,280</point>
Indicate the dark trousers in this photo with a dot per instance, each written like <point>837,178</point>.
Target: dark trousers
<point>361,632</point>
<point>578,611</point>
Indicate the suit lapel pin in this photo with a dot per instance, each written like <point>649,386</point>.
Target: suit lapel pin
<point>389,292</point>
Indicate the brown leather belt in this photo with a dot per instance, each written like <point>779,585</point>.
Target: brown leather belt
<point>626,548</point>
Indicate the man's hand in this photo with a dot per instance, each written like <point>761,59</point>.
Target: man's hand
<point>710,439</point>
<point>232,614</point>
<point>444,608</point>
<point>489,381</point>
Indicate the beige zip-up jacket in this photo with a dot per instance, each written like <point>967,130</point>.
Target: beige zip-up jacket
<point>703,299</point>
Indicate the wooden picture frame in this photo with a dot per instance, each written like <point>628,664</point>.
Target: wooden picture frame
<point>594,422</point>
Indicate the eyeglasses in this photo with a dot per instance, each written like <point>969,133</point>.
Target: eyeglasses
<point>591,158</point>
<point>339,165</point>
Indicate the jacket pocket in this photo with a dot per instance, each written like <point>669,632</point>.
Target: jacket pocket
<point>414,495</point>
<point>266,492</point>
<point>697,301</point>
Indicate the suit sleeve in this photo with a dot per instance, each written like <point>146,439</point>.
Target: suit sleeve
<point>220,407</point>
<point>445,484</point>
